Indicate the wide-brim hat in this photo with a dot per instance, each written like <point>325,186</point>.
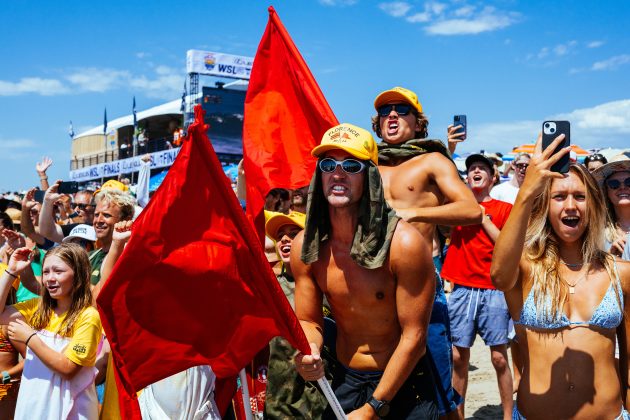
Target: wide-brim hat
<point>398,94</point>
<point>277,220</point>
<point>349,138</point>
<point>619,163</point>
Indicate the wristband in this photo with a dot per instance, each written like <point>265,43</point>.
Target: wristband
<point>11,274</point>
<point>6,377</point>
<point>29,339</point>
<point>43,177</point>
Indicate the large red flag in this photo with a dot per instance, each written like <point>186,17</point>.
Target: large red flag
<point>192,286</point>
<point>286,116</point>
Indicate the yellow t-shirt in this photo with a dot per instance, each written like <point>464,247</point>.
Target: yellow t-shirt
<point>85,335</point>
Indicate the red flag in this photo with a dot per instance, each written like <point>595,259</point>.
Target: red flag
<point>286,116</point>
<point>193,286</point>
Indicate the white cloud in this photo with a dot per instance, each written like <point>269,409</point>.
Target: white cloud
<point>489,19</point>
<point>395,8</point>
<point>595,44</point>
<point>14,144</point>
<point>465,11</point>
<point>612,63</point>
<point>37,85</point>
<point>338,2</point>
<point>563,49</point>
<point>604,125</point>
<point>164,82</point>
<point>419,17</point>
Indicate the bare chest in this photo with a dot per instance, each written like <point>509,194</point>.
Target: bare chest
<point>410,184</point>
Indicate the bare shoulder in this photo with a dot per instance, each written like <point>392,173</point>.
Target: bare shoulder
<point>408,244</point>
<point>623,267</point>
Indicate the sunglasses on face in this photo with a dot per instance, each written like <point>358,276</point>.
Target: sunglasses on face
<point>401,109</point>
<point>349,166</point>
<point>290,234</point>
<point>81,206</point>
<point>521,166</point>
<point>615,184</point>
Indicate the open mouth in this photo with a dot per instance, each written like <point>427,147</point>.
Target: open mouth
<point>476,177</point>
<point>338,189</point>
<point>571,221</point>
<point>623,195</point>
<point>392,126</point>
<point>52,288</point>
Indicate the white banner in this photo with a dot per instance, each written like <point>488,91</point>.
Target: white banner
<point>218,64</point>
<point>124,166</point>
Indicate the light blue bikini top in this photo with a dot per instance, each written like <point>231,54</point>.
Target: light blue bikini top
<point>608,314</point>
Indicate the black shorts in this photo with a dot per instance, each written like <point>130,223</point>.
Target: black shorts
<point>416,399</point>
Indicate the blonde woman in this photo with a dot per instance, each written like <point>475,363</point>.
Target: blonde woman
<point>60,330</point>
<point>568,296</point>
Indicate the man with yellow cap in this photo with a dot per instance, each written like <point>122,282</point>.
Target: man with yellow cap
<point>369,264</point>
<point>422,184</point>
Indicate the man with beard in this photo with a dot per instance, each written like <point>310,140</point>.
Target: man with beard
<point>422,184</point>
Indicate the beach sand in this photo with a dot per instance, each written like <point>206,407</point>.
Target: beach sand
<point>482,400</point>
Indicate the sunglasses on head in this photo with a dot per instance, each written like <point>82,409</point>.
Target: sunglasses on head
<point>401,109</point>
<point>615,184</point>
<point>350,166</point>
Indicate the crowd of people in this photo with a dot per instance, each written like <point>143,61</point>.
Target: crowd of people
<point>393,261</point>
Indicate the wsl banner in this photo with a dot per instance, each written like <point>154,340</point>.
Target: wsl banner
<point>218,64</point>
<point>124,166</point>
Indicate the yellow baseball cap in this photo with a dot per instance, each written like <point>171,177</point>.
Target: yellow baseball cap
<point>398,94</point>
<point>349,138</point>
<point>275,222</point>
<point>114,185</point>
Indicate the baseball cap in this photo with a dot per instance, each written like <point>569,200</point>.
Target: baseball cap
<point>114,185</point>
<point>349,138</point>
<point>398,94</point>
<point>477,157</point>
<point>81,231</point>
<point>275,222</point>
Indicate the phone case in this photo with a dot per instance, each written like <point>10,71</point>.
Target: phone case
<point>460,120</point>
<point>551,130</point>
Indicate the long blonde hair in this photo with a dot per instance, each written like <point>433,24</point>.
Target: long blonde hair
<point>541,245</point>
<point>77,258</point>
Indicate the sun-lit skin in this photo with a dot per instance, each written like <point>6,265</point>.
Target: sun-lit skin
<point>106,215</point>
<point>567,208</point>
<point>396,128</point>
<point>284,238</point>
<point>340,188</point>
<point>620,196</point>
<point>58,279</point>
<point>87,213</point>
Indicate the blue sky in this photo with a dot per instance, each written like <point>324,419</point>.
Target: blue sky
<point>508,65</point>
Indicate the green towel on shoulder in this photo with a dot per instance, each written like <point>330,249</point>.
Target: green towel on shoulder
<point>376,222</point>
<point>394,154</point>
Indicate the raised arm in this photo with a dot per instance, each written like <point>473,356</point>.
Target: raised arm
<point>508,249</point>
<point>41,168</point>
<point>308,308</point>
<point>120,237</point>
<point>412,266</point>
<point>26,224</point>
<point>460,209</point>
<point>47,226</point>
<point>20,260</point>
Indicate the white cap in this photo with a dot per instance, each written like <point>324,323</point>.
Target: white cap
<point>81,232</point>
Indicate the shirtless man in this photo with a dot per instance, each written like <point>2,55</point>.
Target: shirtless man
<point>422,184</point>
<point>376,273</point>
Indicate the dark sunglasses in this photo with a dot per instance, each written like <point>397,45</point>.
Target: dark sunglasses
<point>350,166</point>
<point>401,109</point>
<point>290,234</point>
<point>522,166</point>
<point>615,184</point>
<point>81,206</point>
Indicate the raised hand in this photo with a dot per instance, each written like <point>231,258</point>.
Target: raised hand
<point>20,260</point>
<point>122,231</point>
<point>51,193</point>
<point>539,170</point>
<point>454,137</point>
<point>13,238</point>
<point>43,166</point>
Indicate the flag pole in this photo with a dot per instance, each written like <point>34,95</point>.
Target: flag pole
<point>247,404</point>
<point>332,399</point>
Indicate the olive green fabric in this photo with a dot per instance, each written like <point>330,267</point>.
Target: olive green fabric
<point>288,396</point>
<point>376,222</point>
<point>394,154</point>
<point>96,261</point>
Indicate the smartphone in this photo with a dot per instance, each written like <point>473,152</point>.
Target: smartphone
<point>551,130</point>
<point>69,187</point>
<point>460,120</point>
<point>38,196</point>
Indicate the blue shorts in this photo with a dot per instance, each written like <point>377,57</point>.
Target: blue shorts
<point>440,352</point>
<point>478,311</point>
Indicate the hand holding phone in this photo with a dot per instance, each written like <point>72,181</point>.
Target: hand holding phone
<point>69,187</point>
<point>459,122</point>
<point>550,131</point>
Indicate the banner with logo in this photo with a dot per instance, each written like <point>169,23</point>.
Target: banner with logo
<point>218,64</point>
<point>160,159</point>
